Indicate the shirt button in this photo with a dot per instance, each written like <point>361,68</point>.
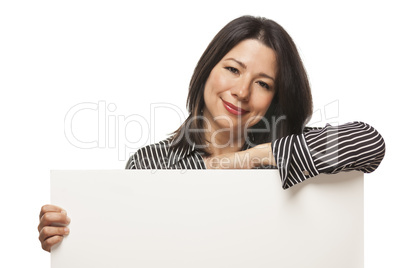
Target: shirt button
<point>306,173</point>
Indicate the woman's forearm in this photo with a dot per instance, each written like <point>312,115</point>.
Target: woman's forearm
<point>260,155</point>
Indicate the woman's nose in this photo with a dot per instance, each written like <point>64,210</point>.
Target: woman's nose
<point>242,91</point>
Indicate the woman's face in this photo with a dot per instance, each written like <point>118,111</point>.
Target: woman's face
<point>240,87</point>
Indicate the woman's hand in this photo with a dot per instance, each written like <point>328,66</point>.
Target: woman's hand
<point>260,155</point>
<point>52,226</point>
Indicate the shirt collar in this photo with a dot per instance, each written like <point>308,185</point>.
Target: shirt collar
<point>175,155</point>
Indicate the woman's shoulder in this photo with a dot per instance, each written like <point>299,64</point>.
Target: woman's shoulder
<point>152,156</point>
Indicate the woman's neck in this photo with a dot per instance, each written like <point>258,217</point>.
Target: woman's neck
<point>222,142</point>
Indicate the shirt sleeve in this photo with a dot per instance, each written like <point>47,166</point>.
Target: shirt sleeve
<point>131,163</point>
<point>139,160</point>
<point>331,149</point>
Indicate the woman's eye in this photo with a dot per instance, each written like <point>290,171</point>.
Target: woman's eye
<point>264,85</point>
<point>232,70</point>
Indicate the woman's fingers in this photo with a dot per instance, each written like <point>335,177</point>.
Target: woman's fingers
<point>49,231</point>
<point>52,222</point>
<point>53,218</point>
<point>50,236</point>
<point>49,208</point>
<point>50,242</point>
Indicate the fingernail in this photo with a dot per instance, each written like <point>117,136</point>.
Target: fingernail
<point>68,219</point>
<point>63,212</point>
<point>66,230</point>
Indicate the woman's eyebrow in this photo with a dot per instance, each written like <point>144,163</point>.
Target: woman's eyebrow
<point>267,76</point>
<point>244,66</point>
<point>238,62</point>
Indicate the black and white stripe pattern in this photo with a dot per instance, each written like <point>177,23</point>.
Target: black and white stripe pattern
<point>162,156</point>
<point>353,146</point>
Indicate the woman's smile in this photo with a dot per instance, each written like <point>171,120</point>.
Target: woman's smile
<point>233,109</point>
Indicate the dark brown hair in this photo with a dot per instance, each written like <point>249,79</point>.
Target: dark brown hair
<point>292,104</point>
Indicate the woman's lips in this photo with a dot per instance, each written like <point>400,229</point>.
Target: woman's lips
<point>233,109</point>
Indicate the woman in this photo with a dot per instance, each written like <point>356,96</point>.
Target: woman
<point>249,100</point>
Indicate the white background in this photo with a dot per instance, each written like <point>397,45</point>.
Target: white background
<point>55,55</point>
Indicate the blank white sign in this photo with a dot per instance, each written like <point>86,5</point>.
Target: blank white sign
<point>208,218</point>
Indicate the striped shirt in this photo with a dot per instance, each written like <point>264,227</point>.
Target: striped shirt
<point>331,149</point>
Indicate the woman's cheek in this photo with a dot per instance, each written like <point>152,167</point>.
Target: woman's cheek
<point>268,100</point>
<point>220,83</point>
